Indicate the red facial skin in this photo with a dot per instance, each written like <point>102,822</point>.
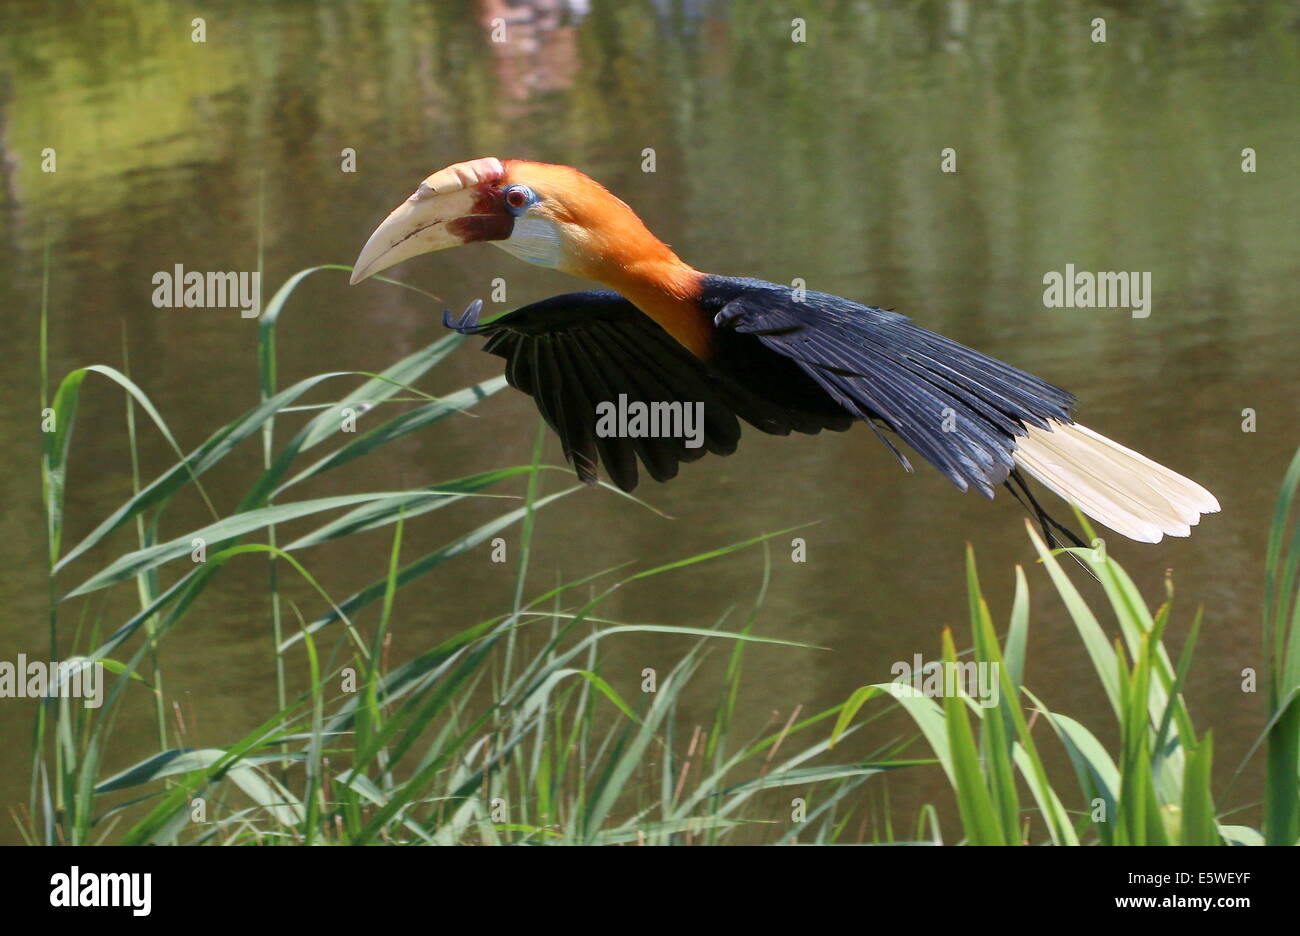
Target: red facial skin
<point>489,219</point>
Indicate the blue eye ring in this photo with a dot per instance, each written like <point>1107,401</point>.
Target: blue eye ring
<point>519,198</point>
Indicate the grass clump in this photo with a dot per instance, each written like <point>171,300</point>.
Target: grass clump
<point>473,740</point>
<point>1155,787</point>
<point>510,733</point>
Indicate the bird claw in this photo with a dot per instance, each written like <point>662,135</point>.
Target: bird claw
<point>730,315</point>
<point>467,323</point>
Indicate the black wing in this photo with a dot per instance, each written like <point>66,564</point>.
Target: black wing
<point>575,351</point>
<point>960,409</point>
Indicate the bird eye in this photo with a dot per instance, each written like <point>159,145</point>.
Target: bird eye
<point>518,197</point>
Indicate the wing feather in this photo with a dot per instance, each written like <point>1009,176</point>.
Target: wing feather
<point>573,352</point>
<point>961,410</point>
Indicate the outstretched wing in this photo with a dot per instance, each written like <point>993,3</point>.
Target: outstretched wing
<point>575,351</point>
<point>959,409</point>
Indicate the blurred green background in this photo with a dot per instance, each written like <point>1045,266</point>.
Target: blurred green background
<point>775,159</point>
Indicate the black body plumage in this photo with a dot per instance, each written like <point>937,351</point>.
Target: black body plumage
<point>783,361</point>
<point>958,408</point>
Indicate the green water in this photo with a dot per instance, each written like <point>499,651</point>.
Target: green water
<point>817,160</point>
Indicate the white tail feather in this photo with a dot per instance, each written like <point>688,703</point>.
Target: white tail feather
<point>1114,485</point>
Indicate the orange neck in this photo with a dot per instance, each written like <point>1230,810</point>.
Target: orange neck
<point>667,291</point>
<point>626,257</point>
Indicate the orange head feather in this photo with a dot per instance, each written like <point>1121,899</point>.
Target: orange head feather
<point>553,216</point>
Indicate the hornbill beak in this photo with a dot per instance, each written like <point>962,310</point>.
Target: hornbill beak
<point>456,205</point>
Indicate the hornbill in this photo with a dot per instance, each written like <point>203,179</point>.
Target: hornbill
<point>775,357</point>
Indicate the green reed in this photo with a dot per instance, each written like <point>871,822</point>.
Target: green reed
<point>475,739</point>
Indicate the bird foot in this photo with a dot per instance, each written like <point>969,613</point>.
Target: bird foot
<point>730,315</point>
<point>467,323</point>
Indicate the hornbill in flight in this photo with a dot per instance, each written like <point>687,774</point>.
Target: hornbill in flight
<point>769,355</point>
